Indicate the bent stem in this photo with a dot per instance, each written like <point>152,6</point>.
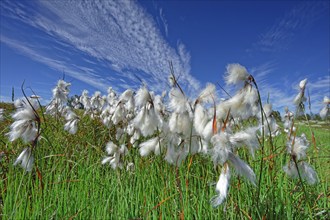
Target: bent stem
<point>262,140</point>
<point>263,136</point>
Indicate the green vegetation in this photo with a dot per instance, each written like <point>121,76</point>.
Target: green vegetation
<point>68,180</point>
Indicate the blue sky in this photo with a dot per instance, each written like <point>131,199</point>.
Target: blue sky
<point>98,44</point>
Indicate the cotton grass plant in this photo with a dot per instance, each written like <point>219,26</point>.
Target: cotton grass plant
<point>26,126</point>
<point>227,140</point>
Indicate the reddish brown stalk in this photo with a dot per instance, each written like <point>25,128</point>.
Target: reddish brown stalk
<point>40,179</point>
<point>214,123</point>
<point>225,122</point>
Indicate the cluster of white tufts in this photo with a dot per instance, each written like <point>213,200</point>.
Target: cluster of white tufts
<point>26,127</point>
<point>72,120</point>
<point>174,126</point>
<point>116,154</point>
<point>224,142</point>
<point>26,159</point>
<point>60,98</point>
<point>288,121</point>
<point>297,147</point>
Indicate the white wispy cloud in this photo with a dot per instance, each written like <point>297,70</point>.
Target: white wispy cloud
<point>262,71</point>
<point>164,21</point>
<point>280,34</point>
<point>81,73</point>
<point>117,34</point>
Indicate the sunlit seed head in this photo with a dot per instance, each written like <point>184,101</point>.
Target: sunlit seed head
<point>236,73</point>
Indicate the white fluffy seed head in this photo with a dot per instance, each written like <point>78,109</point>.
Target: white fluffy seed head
<point>247,137</point>
<point>300,98</point>
<point>151,145</point>
<point>111,147</point>
<point>184,125</point>
<point>119,114</point>
<point>221,187</point>
<point>291,170</point>
<point>61,91</point>
<point>302,83</point>
<point>63,85</point>
<point>146,121</point>
<point>324,112</point>
<point>111,93</point>
<point>268,109</point>
<point>236,73</point>
<point>142,96</point>
<point>200,119</point>
<point>221,148</point>
<point>159,105</point>
<point>208,94</point>
<point>242,168</point>
<point>178,101</point>
<point>250,95</point>
<point>25,109</point>
<point>308,173</point>
<point>26,159</point>
<point>208,130</point>
<point>299,146</point>
<point>84,92</point>
<point>150,123</point>
<point>172,123</point>
<point>126,95</point>
<point>223,183</point>
<point>25,129</point>
<point>71,126</point>
<point>123,149</point>
<point>235,104</point>
<point>175,155</point>
<point>130,104</point>
<point>180,124</point>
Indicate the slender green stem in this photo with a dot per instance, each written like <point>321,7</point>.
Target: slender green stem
<point>262,141</point>
<point>302,184</point>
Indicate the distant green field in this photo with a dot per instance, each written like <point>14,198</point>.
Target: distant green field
<point>68,181</point>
